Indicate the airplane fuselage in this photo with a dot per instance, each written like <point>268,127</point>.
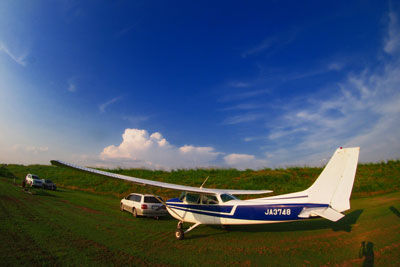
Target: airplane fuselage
<point>236,212</point>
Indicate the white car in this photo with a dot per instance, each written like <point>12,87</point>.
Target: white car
<point>33,180</point>
<point>143,205</point>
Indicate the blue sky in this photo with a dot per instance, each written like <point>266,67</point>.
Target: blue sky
<point>176,84</point>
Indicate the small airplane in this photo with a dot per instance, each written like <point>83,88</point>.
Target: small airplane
<point>327,198</point>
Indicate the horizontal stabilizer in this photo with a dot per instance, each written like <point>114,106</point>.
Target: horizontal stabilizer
<point>329,214</point>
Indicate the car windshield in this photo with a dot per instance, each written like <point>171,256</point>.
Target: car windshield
<point>151,200</point>
<point>35,177</point>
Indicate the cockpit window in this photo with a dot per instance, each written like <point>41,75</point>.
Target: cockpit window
<point>192,198</point>
<point>227,197</point>
<point>209,200</point>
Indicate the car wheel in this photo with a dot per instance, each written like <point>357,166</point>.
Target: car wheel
<point>134,213</point>
<point>179,234</point>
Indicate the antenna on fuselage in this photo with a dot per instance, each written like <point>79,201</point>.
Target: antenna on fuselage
<point>204,182</point>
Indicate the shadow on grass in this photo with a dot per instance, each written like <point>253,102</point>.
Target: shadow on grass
<point>395,211</point>
<point>344,224</point>
<point>367,252</point>
<point>196,236</point>
<point>42,192</point>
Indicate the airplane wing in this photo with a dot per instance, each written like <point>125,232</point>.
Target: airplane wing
<point>160,184</point>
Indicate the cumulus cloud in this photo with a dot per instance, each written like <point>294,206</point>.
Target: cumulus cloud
<point>245,161</point>
<point>141,149</point>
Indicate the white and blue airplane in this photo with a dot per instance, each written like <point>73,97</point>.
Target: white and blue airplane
<point>328,197</point>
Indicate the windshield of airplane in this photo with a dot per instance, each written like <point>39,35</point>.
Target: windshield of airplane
<point>227,197</point>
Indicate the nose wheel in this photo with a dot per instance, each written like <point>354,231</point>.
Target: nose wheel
<point>180,234</point>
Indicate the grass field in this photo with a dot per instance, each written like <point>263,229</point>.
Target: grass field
<point>75,227</point>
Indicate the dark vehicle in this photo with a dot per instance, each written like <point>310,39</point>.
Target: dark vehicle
<point>48,184</point>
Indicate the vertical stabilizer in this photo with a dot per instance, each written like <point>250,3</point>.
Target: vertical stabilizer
<point>335,183</point>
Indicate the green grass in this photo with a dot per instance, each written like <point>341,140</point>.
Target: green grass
<point>74,227</point>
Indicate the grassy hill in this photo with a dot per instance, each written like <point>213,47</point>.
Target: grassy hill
<point>77,228</point>
<point>85,226</point>
<point>372,178</point>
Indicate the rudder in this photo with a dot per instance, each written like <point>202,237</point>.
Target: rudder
<point>335,183</point>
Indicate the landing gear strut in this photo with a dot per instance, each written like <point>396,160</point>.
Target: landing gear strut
<point>179,233</point>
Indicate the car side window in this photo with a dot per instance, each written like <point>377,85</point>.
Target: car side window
<point>135,198</point>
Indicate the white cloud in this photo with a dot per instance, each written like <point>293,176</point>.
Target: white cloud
<point>361,110</point>
<point>243,118</point>
<point>29,149</point>
<point>136,119</point>
<point>139,149</point>
<point>71,85</point>
<point>244,95</point>
<point>239,84</point>
<point>102,107</point>
<point>392,41</point>
<point>364,111</point>
<point>245,161</point>
<point>21,59</point>
<point>271,44</point>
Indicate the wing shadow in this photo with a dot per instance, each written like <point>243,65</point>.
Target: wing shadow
<point>344,224</point>
<point>395,211</point>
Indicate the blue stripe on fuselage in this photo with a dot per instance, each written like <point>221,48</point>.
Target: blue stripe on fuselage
<point>274,212</point>
<point>202,208</point>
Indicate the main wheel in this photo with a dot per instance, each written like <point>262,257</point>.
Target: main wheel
<point>134,212</point>
<point>179,234</point>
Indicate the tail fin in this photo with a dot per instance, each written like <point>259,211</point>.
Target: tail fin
<point>335,183</point>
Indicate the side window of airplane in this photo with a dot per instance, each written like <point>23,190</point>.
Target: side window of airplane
<point>209,200</point>
<point>192,198</point>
